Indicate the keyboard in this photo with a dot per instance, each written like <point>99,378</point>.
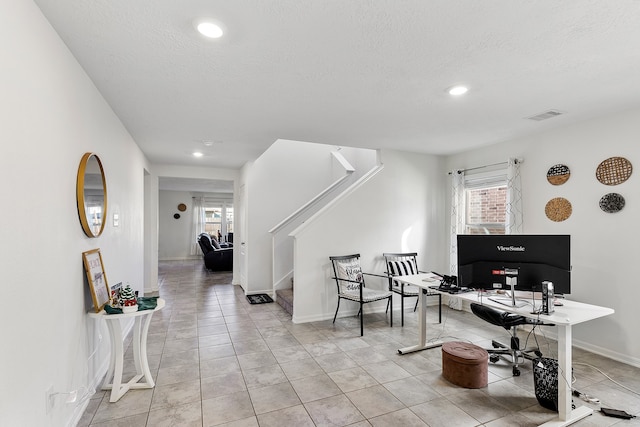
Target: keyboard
<point>451,290</point>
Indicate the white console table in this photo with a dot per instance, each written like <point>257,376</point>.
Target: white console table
<point>113,379</point>
<point>564,317</point>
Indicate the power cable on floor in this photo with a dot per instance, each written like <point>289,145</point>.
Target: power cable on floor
<point>608,377</point>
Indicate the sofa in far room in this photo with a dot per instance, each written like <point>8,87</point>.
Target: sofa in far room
<point>216,257</point>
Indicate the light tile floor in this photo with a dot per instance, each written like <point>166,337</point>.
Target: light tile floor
<point>219,360</point>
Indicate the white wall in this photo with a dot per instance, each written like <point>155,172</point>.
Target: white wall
<point>400,209</point>
<point>150,232</point>
<point>175,238</point>
<point>284,178</point>
<point>50,115</point>
<point>175,171</point>
<point>604,246</point>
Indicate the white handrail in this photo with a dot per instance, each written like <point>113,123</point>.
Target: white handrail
<point>348,171</point>
<point>359,183</point>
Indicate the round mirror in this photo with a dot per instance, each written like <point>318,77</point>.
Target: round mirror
<point>91,193</point>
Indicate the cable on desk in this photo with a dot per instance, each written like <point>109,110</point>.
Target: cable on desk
<point>443,324</point>
<point>535,337</point>
<point>441,337</point>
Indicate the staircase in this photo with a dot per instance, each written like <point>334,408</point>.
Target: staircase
<point>340,175</point>
<point>284,297</point>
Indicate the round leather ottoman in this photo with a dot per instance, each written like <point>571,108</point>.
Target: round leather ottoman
<point>465,364</point>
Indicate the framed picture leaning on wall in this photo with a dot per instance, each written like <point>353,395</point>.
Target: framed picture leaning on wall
<point>96,277</point>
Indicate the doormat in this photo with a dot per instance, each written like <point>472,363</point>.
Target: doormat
<point>259,298</point>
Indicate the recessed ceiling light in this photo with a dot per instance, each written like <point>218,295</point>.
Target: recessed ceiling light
<point>209,29</point>
<point>457,90</point>
<point>197,154</point>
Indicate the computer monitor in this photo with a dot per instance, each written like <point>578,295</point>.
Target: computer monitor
<point>488,261</point>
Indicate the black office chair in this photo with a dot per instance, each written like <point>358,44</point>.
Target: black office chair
<point>510,322</point>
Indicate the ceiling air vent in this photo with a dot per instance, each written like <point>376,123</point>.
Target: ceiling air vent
<point>546,115</point>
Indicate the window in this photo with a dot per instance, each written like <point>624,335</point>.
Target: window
<point>213,221</point>
<point>486,204</point>
<point>229,220</point>
<point>218,220</point>
<point>94,217</point>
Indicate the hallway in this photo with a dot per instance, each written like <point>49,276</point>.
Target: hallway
<point>219,360</point>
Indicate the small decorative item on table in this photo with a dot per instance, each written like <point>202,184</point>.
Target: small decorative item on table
<point>115,295</point>
<point>128,300</point>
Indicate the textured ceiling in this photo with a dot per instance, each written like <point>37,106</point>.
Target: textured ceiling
<point>357,73</point>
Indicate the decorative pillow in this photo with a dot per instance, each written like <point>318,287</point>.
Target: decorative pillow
<point>402,268</point>
<point>349,270</point>
<point>215,243</point>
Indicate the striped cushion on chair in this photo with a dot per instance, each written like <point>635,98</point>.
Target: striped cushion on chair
<point>403,268</point>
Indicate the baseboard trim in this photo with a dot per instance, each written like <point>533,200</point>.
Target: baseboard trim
<point>188,258</point>
<point>345,312</point>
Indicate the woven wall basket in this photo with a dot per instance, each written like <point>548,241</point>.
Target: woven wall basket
<point>558,209</point>
<point>558,174</point>
<point>614,171</point>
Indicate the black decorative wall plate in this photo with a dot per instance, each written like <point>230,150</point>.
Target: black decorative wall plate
<point>612,202</point>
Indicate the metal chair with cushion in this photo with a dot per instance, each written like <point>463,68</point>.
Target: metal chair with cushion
<point>351,285</point>
<point>403,264</point>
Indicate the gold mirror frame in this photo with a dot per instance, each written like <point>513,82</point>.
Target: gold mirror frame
<point>89,180</point>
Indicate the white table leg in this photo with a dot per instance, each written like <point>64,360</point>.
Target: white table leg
<point>140,333</point>
<point>422,328</point>
<point>136,344</point>
<point>114,374</point>
<point>116,363</point>
<point>106,384</point>
<point>113,378</point>
<point>566,415</point>
<point>564,372</point>
<point>144,362</point>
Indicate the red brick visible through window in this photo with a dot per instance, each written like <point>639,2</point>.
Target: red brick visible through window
<point>487,206</point>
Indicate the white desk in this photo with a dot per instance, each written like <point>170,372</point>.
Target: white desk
<point>113,379</point>
<point>565,316</point>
